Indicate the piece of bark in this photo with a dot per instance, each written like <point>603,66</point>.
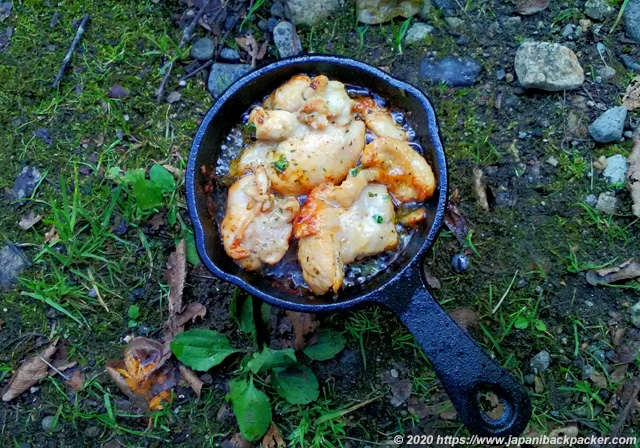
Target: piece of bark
<point>480,187</point>
<point>29,373</point>
<point>633,174</point>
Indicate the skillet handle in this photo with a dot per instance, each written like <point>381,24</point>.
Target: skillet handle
<point>463,367</point>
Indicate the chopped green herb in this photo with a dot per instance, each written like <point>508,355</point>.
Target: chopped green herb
<point>354,171</point>
<point>378,219</point>
<point>281,164</point>
<point>248,131</point>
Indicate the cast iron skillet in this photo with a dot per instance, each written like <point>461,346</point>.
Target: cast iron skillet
<point>464,369</point>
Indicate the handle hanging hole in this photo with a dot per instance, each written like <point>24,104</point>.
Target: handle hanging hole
<point>491,405</point>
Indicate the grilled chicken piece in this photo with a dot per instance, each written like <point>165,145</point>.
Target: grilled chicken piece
<point>327,103</point>
<point>398,166</point>
<point>333,234</point>
<point>273,125</point>
<point>257,226</point>
<point>306,160</point>
<point>290,95</point>
<point>379,120</point>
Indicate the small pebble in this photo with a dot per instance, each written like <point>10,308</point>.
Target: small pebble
<point>591,200</point>
<point>202,49</point>
<point>394,373</point>
<point>48,422</point>
<point>460,262</point>
<point>540,362</point>
<point>501,74</point>
<point>229,54</point>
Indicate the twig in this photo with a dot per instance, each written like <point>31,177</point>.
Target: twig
<point>495,308</point>
<point>72,48</point>
<point>196,71</point>
<point>52,367</point>
<point>186,36</point>
<point>617,427</point>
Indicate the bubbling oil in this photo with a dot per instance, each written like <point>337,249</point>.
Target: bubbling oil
<point>288,270</point>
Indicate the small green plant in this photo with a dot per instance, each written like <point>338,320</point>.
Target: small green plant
<point>575,265</point>
<point>203,349</point>
<point>361,30</point>
<point>400,32</point>
<point>134,313</point>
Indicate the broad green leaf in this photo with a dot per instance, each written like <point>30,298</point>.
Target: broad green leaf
<point>540,326</point>
<point>521,322</point>
<point>148,194</point>
<point>132,176</point>
<point>265,312</point>
<point>162,177</point>
<point>201,349</point>
<point>269,359</point>
<point>296,383</point>
<point>251,407</point>
<point>192,253</point>
<point>329,344</point>
<point>242,312</point>
<point>113,173</point>
<point>133,312</point>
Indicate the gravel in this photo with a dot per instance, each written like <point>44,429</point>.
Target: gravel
<point>456,72</point>
<point>608,127</point>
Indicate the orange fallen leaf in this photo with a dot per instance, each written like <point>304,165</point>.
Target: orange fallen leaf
<point>77,380</point>
<point>29,373</point>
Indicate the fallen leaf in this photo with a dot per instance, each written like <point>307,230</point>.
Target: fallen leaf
<point>191,378</point>
<point>51,237</point>
<point>305,326</point>
<point>400,388</point>
<point>455,220</point>
<point>629,347</point>
<point>431,279</point>
<point>480,188</point>
<point>567,431</point>
<point>236,441</point>
<point>625,271</point>
<point>631,98</point>
<point>144,375</point>
<point>29,373</point>
<point>176,275</point>
<point>60,361</point>
<point>29,220</point>
<point>177,172</point>
<point>465,317</point>
<point>117,91</point>
<point>633,174</point>
<point>76,381</point>
<point>629,402</point>
<point>529,7</point>
<point>250,45</point>
<point>449,413</point>
<point>155,222</point>
<point>619,373</point>
<point>273,438</point>
<point>491,404</point>
<point>598,379</point>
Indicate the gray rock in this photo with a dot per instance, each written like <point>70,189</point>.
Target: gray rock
<point>202,49</point>
<point>616,170</point>
<point>12,262</point>
<point>547,66</point>
<point>417,33</point>
<point>48,422</point>
<point>632,19</point>
<point>425,12</point>
<point>380,11</point>
<point>608,127</point>
<point>229,54</point>
<point>630,63</point>
<point>598,9</point>
<point>501,74</point>
<point>456,72</point>
<point>286,40</point>
<point>311,12</point>
<point>606,73</point>
<point>26,182</point>
<point>634,314</point>
<point>591,200</point>
<point>567,31</point>
<point>223,75</point>
<point>607,203</point>
<point>277,10</point>
<point>540,362</point>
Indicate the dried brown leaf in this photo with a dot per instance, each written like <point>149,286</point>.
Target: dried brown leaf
<point>449,413</point>
<point>480,187</point>
<point>465,317</point>
<point>273,438</point>
<point>629,402</point>
<point>51,237</point>
<point>431,279</point>
<point>625,271</point>
<point>529,7</point>
<point>251,46</point>
<point>598,379</point>
<point>400,388</point>
<point>191,378</point>
<point>619,373</point>
<point>305,326</point>
<point>29,373</point>
<point>76,381</point>
<point>176,275</point>
<point>633,174</point>
<point>456,221</point>
<point>631,98</point>
<point>629,347</point>
<point>29,220</point>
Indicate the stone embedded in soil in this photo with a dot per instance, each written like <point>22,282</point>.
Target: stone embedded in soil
<point>634,315</point>
<point>632,20</point>
<point>630,63</point>
<point>453,71</point>
<point>286,40</point>
<point>598,9</point>
<point>311,12</point>
<point>202,49</point>
<point>380,11</point>
<point>12,262</point>
<point>608,127</point>
<point>223,75</point>
<point>48,424</point>
<point>229,54</point>
<point>529,7</point>
<point>277,10</point>
<point>417,33</point>
<point>547,66</point>
<point>540,362</point>
<point>616,170</point>
<point>26,182</point>
<point>607,203</point>
<point>44,135</point>
<point>425,11</point>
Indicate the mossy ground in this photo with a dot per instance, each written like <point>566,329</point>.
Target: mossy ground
<point>545,235</point>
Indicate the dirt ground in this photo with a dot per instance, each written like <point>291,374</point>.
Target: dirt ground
<point>531,252</point>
